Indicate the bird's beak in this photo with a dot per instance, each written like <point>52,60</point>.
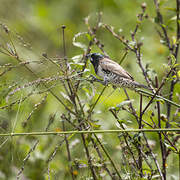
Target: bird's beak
<point>88,55</point>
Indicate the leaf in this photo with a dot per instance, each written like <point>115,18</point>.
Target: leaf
<point>159,100</point>
<point>79,44</point>
<point>178,73</point>
<point>163,117</point>
<point>77,58</point>
<point>77,65</point>
<point>170,9</point>
<point>174,124</point>
<point>173,18</point>
<point>173,60</point>
<point>65,96</point>
<point>171,148</point>
<point>120,106</point>
<point>163,25</point>
<point>89,37</point>
<point>124,103</point>
<point>174,39</point>
<point>88,139</point>
<point>70,136</point>
<point>121,122</point>
<point>95,125</point>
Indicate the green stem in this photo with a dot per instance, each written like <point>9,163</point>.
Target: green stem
<point>160,97</point>
<point>90,132</point>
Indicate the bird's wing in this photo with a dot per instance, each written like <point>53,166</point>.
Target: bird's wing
<point>109,65</point>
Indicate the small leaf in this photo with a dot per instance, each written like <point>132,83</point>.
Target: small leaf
<point>170,147</point>
<point>170,9</point>
<point>120,106</point>
<point>95,125</point>
<point>163,117</point>
<point>173,60</point>
<point>174,39</point>
<point>178,73</point>
<point>89,37</point>
<point>77,58</point>
<point>124,103</point>
<point>163,25</point>
<point>78,65</point>
<point>65,96</point>
<point>88,139</point>
<point>79,44</point>
<point>173,18</point>
<point>160,100</point>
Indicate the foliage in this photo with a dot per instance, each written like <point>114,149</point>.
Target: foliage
<point>40,92</point>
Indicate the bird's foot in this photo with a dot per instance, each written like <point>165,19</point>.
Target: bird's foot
<point>94,79</point>
<point>114,87</point>
<point>105,82</point>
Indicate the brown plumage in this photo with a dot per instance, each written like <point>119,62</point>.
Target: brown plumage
<point>113,73</point>
<point>114,67</point>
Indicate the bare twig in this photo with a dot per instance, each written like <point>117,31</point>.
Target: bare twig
<point>163,153</point>
<point>68,152</point>
<point>173,82</point>
<point>139,138</point>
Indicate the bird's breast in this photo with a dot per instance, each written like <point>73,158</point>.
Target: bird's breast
<point>100,72</point>
<point>105,74</point>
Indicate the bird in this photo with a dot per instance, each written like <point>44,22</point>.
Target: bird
<point>112,73</point>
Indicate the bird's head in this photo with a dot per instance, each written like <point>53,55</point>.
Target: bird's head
<point>94,58</point>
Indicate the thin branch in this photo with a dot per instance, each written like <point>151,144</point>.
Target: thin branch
<point>173,82</point>
<point>92,108</point>
<point>161,23</point>
<point>159,97</point>
<point>109,157</point>
<point>157,91</point>
<point>163,153</point>
<point>92,131</point>
<point>154,158</point>
<point>68,152</point>
<point>101,156</point>
<point>139,138</point>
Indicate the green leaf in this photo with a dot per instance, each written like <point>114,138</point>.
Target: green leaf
<point>79,44</point>
<point>65,96</point>
<point>170,147</point>
<point>178,73</point>
<point>170,9</point>
<point>77,58</point>
<point>90,38</point>
<point>124,103</point>
<point>88,139</point>
<point>163,25</point>
<point>95,125</point>
<point>173,60</point>
<point>174,39</point>
<point>156,20</point>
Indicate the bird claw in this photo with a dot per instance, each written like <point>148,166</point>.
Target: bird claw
<point>114,87</point>
<point>105,83</point>
<point>94,79</point>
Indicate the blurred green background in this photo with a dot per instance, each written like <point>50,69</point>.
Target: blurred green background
<point>36,26</point>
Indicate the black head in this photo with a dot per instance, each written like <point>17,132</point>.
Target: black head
<point>95,57</point>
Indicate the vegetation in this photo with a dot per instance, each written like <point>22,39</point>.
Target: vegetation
<point>56,122</point>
